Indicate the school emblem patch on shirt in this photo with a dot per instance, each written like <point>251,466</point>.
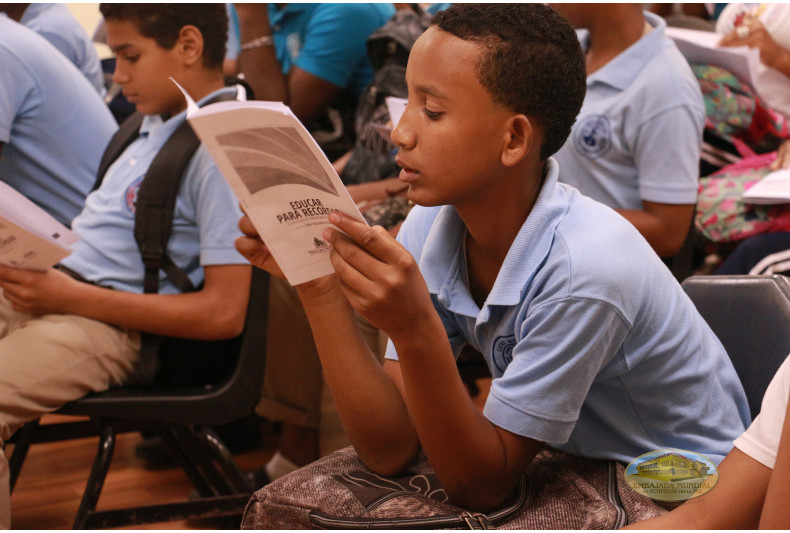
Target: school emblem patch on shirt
<point>131,195</point>
<point>502,351</point>
<point>593,136</point>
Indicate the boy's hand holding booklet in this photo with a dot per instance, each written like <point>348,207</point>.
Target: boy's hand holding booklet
<point>29,236</point>
<point>282,179</point>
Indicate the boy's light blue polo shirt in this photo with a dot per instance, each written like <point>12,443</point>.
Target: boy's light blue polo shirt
<point>53,124</point>
<point>593,346</point>
<point>57,25</point>
<point>204,225</point>
<point>639,132</point>
<point>328,40</point>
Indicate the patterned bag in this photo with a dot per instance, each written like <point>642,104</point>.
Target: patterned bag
<point>737,123</point>
<point>723,217</point>
<point>559,491</point>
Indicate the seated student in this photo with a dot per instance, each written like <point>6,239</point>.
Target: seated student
<point>61,338</point>
<point>600,355</point>
<point>753,483</point>
<point>312,57</point>
<point>56,24</point>
<point>636,144</point>
<point>53,124</point>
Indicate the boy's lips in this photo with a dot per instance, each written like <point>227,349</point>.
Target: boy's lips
<point>407,173</point>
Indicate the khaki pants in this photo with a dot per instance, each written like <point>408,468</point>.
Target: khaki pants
<point>48,361</point>
<point>293,380</point>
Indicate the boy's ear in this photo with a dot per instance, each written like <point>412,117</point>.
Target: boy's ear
<point>190,44</point>
<point>519,141</point>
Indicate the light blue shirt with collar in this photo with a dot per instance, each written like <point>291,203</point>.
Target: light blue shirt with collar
<point>639,132</point>
<point>57,25</point>
<point>53,124</point>
<point>204,224</point>
<point>593,346</point>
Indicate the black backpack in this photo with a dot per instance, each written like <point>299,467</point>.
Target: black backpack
<point>373,156</point>
<point>182,361</point>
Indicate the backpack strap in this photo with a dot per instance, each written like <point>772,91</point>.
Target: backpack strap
<point>154,210</point>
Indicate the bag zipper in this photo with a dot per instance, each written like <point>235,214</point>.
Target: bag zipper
<point>466,519</point>
<point>621,520</point>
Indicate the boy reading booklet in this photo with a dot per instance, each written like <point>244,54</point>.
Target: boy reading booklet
<point>62,338</point>
<point>597,354</point>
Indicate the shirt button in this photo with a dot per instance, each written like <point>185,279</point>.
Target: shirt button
<point>133,161</point>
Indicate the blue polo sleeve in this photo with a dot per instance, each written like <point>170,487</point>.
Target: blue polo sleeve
<point>542,390</point>
<point>335,41</point>
<point>666,154</point>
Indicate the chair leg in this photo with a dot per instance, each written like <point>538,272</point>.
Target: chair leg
<point>101,466</point>
<point>214,446</point>
<point>23,440</point>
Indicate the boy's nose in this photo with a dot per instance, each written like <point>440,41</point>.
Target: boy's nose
<point>119,77</point>
<point>402,136</point>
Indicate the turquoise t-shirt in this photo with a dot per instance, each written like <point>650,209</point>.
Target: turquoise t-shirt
<point>328,40</point>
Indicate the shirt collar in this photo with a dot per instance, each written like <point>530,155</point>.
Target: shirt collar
<point>442,260</point>
<point>621,71</point>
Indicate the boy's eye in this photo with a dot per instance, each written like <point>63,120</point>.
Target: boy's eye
<point>130,58</point>
<point>432,115</point>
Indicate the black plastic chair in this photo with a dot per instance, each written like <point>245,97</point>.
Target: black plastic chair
<point>182,417</point>
<point>751,317</point>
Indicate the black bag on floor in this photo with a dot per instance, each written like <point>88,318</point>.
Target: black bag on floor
<point>558,491</point>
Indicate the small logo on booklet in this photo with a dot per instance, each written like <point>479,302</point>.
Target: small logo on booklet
<point>319,246</point>
<point>671,475</point>
<point>593,137</point>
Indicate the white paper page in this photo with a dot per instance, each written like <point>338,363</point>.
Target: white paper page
<point>702,47</point>
<point>19,210</point>
<point>281,178</point>
<point>395,106</point>
<point>774,188</point>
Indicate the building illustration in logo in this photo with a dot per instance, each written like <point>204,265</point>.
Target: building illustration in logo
<point>672,466</point>
<point>671,475</point>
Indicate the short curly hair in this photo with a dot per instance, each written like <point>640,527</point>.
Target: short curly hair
<point>163,23</point>
<point>533,62</point>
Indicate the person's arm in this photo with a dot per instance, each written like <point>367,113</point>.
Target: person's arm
<point>666,150</point>
<point>389,412</point>
<point>306,94</point>
<point>752,33</point>
<point>782,156</point>
<point>216,311</point>
<point>734,503</point>
<point>776,512</point>
<point>664,226</point>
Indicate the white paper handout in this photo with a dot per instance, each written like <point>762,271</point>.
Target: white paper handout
<point>29,236</point>
<point>774,188</point>
<point>282,179</point>
<point>702,47</point>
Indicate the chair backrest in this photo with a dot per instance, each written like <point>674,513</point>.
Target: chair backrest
<point>751,317</point>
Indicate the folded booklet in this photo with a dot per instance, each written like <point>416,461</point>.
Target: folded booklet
<point>282,179</point>
<point>29,236</point>
<point>774,188</point>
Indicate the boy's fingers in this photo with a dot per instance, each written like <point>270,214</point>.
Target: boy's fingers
<point>246,227</point>
<point>375,240</point>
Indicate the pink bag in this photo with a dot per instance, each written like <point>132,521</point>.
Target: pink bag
<point>723,217</point>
